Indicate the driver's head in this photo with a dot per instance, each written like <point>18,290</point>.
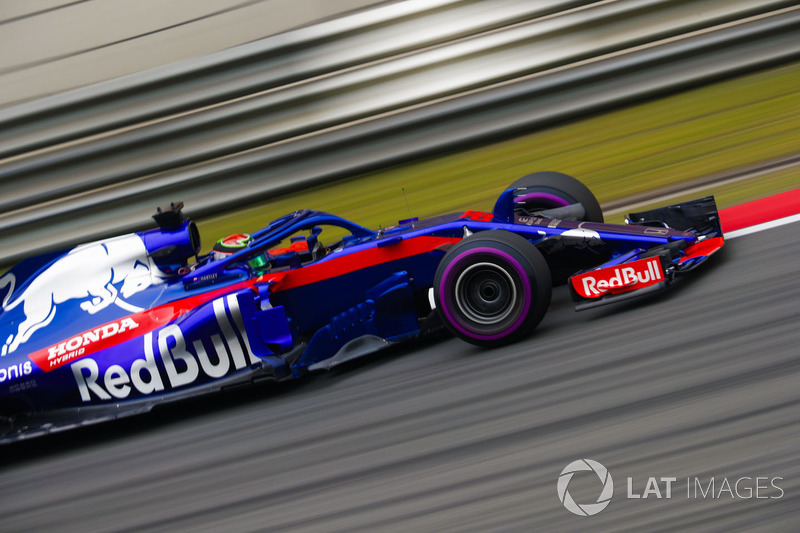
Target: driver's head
<point>235,243</point>
<point>231,244</point>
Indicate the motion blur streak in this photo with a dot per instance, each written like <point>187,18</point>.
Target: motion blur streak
<point>699,382</point>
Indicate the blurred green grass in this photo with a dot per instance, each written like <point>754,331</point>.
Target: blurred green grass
<point>664,142</point>
<point>725,195</point>
<point>674,140</point>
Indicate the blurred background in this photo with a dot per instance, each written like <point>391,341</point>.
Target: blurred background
<point>245,110</point>
<point>248,109</point>
<point>50,46</point>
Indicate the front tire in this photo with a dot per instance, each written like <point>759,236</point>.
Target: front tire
<point>548,189</point>
<point>492,288</point>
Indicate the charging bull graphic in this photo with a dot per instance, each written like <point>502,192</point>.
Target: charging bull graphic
<point>89,272</point>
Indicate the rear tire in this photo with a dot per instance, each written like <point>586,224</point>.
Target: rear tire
<point>492,288</point>
<point>547,190</point>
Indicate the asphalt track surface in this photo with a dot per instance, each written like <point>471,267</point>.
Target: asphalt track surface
<point>702,382</point>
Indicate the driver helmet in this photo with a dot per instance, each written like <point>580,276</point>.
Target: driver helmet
<point>235,243</point>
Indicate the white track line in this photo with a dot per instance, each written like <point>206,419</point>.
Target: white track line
<point>764,226</point>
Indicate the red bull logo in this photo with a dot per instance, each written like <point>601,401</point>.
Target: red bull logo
<point>91,273</point>
<point>616,279</point>
<point>169,360</point>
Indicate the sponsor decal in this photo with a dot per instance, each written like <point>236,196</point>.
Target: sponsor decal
<point>98,274</point>
<point>170,361</point>
<point>528,221</point>
<point>620,278</point>
<point>117,331</point>
<point>15,371</point>
<point>100,338</point>
<point>22,386</point>
<point>93,340</point>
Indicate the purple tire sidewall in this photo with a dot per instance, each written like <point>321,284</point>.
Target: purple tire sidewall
<point>545,197</point>
<point>447,303</point>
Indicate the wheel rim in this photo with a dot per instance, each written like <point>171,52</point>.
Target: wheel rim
<point>485,293</point>
<point>453,313</point>
<point>531,202</point>
<point>541,199</point>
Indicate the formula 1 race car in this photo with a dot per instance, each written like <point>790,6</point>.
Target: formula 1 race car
<point>120,325</point>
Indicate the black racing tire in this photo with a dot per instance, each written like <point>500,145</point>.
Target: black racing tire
<point>492,288</point>
<point>556,190</point>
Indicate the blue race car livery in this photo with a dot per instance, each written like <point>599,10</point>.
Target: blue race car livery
<point>118,326</point>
